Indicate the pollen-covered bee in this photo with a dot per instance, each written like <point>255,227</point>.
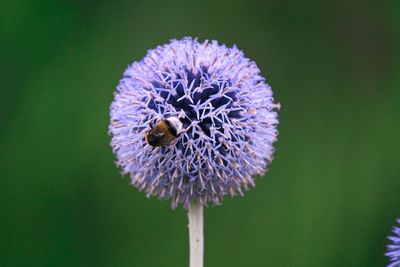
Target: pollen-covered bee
<point>164,132</point>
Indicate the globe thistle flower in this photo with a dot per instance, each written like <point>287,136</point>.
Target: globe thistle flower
<point>224,107</point>
<point>393,250</point>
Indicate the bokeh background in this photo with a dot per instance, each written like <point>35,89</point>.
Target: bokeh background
<point>332,192</point>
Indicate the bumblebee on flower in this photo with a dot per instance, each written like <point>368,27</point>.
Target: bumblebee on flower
<point>193,121</point>
<point>164,132</point>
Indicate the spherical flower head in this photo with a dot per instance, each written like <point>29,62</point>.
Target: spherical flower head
<point>393,250</point>
<point>227,114</point>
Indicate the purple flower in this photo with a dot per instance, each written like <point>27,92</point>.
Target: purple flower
<point>227,117</point>
<point>393,250</point>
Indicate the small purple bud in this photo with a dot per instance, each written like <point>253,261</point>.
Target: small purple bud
<point>393,249</point>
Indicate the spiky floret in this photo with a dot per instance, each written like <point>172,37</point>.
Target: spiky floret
<point>393,250</point>
<point>228,117</point>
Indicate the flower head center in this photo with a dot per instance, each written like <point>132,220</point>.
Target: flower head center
<point>205,99</point>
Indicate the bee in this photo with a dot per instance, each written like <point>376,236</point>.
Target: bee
<point>164,132</point>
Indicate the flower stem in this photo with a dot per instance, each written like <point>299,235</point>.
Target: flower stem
<point>196,237</point>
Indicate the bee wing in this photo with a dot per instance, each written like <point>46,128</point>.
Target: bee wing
<point>157,132</point>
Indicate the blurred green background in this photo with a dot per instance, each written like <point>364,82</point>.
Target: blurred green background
<point>332,192</point>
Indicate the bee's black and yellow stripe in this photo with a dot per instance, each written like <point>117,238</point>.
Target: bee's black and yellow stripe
<point>171,128</point>
<point>162,134</point>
